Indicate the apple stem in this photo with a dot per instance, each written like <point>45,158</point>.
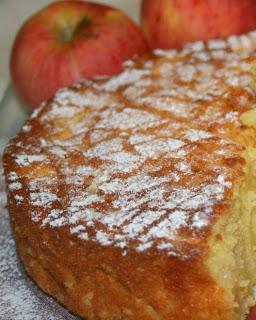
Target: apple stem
<point>80,28</point>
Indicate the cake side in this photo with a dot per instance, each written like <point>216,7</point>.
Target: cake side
<point>232,256</point>
<point>101,283</point>
<point>123,191</point>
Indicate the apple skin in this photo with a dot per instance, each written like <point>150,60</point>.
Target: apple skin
<point>252,314</point>
<point>171,23</point>
<point>68,41</point>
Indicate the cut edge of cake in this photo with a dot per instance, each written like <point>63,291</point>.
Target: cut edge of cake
<point>232,259</point>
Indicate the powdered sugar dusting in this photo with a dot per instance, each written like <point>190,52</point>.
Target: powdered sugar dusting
<point>128,119</point>
<point>126,77</point>
<point>196,135</point>
<point>26,159</point>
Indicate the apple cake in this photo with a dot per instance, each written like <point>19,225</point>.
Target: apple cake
<point>133,197</point>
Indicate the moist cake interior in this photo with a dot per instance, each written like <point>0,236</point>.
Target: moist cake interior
<point>232,259</point>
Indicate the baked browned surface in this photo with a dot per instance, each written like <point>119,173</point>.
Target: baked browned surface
<point>122,191</point>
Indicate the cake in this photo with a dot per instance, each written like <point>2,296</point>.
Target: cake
<point>133,197</point>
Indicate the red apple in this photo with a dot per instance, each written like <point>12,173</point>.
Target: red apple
<point>252,315</point>
<point>68,41</point>
<point>171,23</point>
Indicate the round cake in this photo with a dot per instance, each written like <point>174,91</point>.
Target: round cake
<point>133,197</point>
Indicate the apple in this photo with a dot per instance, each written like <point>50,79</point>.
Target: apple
<point>171,23</point>
<point>252,315</point>
<point>68,41</point>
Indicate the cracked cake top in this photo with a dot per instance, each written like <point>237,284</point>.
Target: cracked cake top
<point>145,160</point>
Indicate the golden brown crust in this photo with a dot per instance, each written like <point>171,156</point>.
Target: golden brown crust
<point>100,283</point>
<point>114,186</point>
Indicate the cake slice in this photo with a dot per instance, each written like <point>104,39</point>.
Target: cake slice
<point>134,197</point>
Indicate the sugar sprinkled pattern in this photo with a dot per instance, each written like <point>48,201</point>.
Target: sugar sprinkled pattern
<point>142,160</point>
<point>26,160</point>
